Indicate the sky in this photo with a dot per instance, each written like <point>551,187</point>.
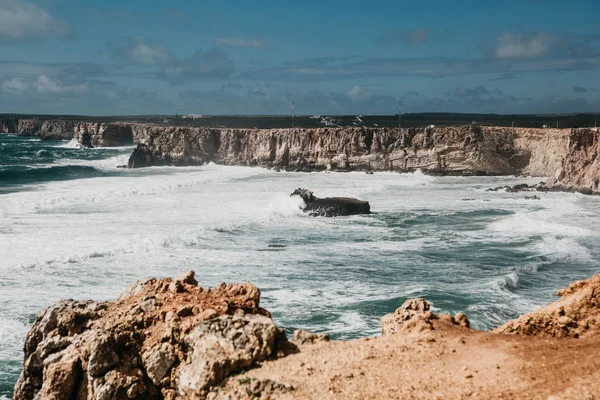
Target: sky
<point>124,57</point>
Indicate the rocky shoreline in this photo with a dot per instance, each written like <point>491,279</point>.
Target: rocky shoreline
<point>172,339</point>
<point>567,157</point>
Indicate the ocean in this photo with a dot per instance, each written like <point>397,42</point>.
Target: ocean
<point>73,225</point>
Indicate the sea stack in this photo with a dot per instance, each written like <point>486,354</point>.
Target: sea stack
<point>331,206</point>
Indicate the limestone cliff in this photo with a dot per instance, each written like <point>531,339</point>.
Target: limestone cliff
<point>579,169</point>
<point>470,150</point>
<point>175,340</point>
<point>104,134</point>
<point>567,156</point>
<point>29,127</point>
<point>86,132</point>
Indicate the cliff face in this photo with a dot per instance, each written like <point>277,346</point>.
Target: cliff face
<point>174,340</point>
<point>450,150</point>
<point>580,167</point>
<point>103,134</point>
<point>88,133</point>
<point>567,156</point>
<point>28,127</point>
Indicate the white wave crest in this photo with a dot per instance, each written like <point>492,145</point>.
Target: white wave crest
<point>72,144</point>
<point>563,249</point>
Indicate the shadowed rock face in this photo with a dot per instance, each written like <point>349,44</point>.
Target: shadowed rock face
<point>331,206</point>
<point>9,125</point>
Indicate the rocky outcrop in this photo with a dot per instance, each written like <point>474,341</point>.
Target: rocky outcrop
<point>29,127</point>
<point>89,134</point>
<point>575,315</point>
<point>172,339</point>
<point>415,315</point>
<point>331,206</point>
<point>103,134</point>
<point>56,130</point>
<point>161,339</point>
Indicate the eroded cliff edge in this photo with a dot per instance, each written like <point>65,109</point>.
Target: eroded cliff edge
<point>172,339</point>
<point>459,150</point>
<point>88,133</point>
<point>568,157</point>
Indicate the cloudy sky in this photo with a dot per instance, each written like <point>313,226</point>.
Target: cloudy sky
<point>330,57</point>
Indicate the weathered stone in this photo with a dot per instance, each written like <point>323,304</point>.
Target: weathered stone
<point>305,337</point>
<point>158,361</point>
<point>102,355</point>
<point>412,310</point>
<point>188,278</point>
<point>222,346</point>
<point>129,348</point>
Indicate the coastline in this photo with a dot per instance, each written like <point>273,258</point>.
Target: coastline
<point>567,156</point>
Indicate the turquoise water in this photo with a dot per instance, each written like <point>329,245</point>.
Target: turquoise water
<point>90,233</point>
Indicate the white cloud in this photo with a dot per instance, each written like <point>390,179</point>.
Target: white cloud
<point>240,42</point>
<point>42,85</point>
<point>46,85</point>
<point>137,51</point>
<point>519,45</point>
<point>15,86</point>
<point>357,93</point>
<point>21,20</point>
<point>143,53</point>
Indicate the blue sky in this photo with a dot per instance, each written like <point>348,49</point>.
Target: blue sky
<point>329,57</point>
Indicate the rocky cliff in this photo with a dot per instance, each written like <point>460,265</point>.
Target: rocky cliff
<point>104,134</point>
<point>470,150</point>
<point>567,156</point>
<point>579,169</point>
<point>87,133</point>
<point>172,339</point>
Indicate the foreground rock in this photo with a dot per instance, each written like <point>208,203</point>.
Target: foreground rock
<point>172,339</point>
<point>331,206</point>
<point>575,315</point>
<point>161,339</point>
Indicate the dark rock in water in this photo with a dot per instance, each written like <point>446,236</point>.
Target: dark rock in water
<point>86,141</point>
<point>331,206</point>
<point>122,166</point>
<point>142,157</point>
<point>522,187</point>
<point>534,197</point>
